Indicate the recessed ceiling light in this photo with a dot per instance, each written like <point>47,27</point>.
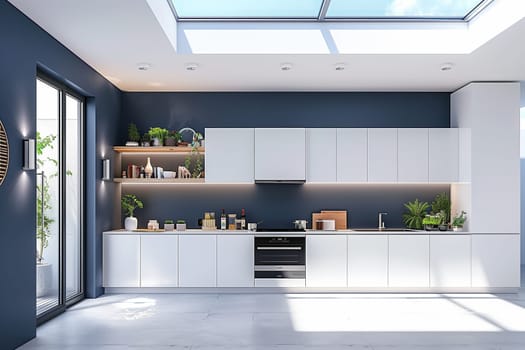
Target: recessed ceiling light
<point>340,66</point>
<point>445,67</point>
<point>143,66</point>
<point>286,66</point>
<point>191,66</point>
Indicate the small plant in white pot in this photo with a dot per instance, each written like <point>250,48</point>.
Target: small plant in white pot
<point>458,221</point>
<point>168,225</point>
<point>181,225</point>
<point>129,203</point>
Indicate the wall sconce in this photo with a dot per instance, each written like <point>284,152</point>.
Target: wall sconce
<point>106,170</point>
<point>29,154</point>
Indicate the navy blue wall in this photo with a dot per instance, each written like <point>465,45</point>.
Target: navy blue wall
<point>24,47</point>
<point>277,205</point>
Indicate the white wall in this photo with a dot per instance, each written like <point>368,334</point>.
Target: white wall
<point>522,156</point>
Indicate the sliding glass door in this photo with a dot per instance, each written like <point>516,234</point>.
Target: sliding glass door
<point>59,231</point>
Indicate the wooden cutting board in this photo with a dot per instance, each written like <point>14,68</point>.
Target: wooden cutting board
<point>340,217</point>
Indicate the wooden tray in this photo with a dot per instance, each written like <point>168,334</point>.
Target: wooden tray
<point>340,217</point>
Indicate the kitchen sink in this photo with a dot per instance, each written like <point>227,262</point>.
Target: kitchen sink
<point>383,230</point>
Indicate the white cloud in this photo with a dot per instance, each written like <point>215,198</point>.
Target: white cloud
<point>404,7</point>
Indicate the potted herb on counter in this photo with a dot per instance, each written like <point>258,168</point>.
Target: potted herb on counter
<point>133,135</point>
<point>431,222</point>
<point>129,203</point>
<point>458,221</point>
<point>415,214</point>
<point>168,225</point>
<point>181,225</point>
<point>158,135</point>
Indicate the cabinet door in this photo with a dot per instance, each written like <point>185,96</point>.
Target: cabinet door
<point>197,261</point>
<point>229,155</point>
<point>321,150</point>
<point>496,260</point>
<point>280,154</point>
<point>121,260</point>
<point>443,155</point>
<point>326,261</point>
<point>367,261</point>
<point>352,155</point>
<point>382,155</point>
<point>235,261</point>
<point>412,155</point>
<point>159,261</point>
<point>450,261</point>
<point>408,261</point>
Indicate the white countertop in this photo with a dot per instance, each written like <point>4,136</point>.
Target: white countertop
<point>307,232</point>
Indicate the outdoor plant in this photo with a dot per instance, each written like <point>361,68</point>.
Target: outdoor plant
<point>133,133</point>
<point>441,205</point>
<point>459,220</point>
<point>158,133</point>
<point>416,211</point>
<point>129,203</point>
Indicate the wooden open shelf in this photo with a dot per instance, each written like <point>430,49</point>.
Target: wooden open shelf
<point>155,149</point>
<point>158,181</point>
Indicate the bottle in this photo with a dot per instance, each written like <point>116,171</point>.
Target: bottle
<point>223,220</point>
<point>243,219</point>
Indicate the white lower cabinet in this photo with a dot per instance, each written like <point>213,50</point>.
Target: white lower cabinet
<point>449,261</point>
<point>367,261</point>
<point>197,261</point>
<point>159,261</point>
<point>235,261</point>
<point>496,260</point>
<point>121,260</point>
<point>326,261</point>
<point>408,261</point>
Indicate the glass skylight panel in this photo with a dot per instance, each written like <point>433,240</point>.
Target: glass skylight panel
<point>238,9</point>
<point>388,9</point>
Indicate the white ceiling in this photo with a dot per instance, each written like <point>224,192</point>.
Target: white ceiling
<point>113,36</point>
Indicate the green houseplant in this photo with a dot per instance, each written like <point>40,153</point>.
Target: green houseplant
<point>416,211</point>
<point>459,220</point>
<point>133,135</point>
<point>172,139</point>
<point>158,135</point>
<point>168,225</point>
<point>181,225</point>
<point>129,203</point>
<point>146,139</point>
<point>441,205</point>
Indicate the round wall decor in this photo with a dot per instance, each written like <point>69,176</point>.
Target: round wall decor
<point>4,153</point>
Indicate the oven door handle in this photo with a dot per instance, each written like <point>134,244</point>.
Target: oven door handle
<point>279,248</point>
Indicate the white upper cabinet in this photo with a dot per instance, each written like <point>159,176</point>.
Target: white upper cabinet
<point>352,155</point>
<point>326,260</point>
<point>321,159</point>
<point>280,154</point>
<point>382,155</point>
<point>159,261</point>
<point>443,155</point>
<point>229,155</point>
<point>412,155</point>
<point>235,261</point>
<point>197,261</point>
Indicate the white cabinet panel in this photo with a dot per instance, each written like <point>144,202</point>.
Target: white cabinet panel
<point>367,261</point>
<point>443,155</point>
<point>326,261</point>
<point>197,261</point>
<point>280,154</point>
<point>450,261</point>
<point>408,261</point>
<point>235,261</point>
<point>121,260</point>
<point>412,155</point>
<point>352,155</point>
<point>382,155</point>
<point>159,261</point>
<point>321,159</point>
<point>229,155</point>
<point>496,260</point>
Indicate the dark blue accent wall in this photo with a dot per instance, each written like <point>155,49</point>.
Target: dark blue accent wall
<point>277,205</point>
<point>25,47</point>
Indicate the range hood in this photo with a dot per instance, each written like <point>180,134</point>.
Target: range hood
<point>289,182</point>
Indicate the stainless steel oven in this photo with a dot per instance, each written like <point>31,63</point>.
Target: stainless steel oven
<point>280,261</point>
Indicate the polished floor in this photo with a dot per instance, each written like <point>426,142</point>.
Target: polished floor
<point>290,322</point>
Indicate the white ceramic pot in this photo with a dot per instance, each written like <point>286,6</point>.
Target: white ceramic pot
<point>457,228</point>
<point>181,227</point>
<point>169,227</point>
<point>44,279</point>
<point>131,223</point>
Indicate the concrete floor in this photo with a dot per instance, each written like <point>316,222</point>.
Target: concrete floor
<point>289,322</point>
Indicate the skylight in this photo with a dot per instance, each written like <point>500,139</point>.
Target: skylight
<point>326,9</point>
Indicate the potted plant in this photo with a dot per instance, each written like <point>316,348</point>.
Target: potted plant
<point>431,222</point>
<point>441,205</point>
<point>129,203</point>
<point>458,221</point>
<point>168,225</point>
<point>158,135</point>
<point>146,140</point>
<point>133,135</point>
<point>172,139</point>
<point>181,225</point>
<point>416,211</point>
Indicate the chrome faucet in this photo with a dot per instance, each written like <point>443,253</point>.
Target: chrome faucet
<point>381,224</point>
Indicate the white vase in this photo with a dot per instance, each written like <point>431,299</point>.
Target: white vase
<point>148,169</point>
<point>131,223</point>
<point>44,279</point>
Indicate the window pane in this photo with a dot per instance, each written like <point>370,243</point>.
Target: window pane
<point>247,8</point>
<point>401,8</point>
